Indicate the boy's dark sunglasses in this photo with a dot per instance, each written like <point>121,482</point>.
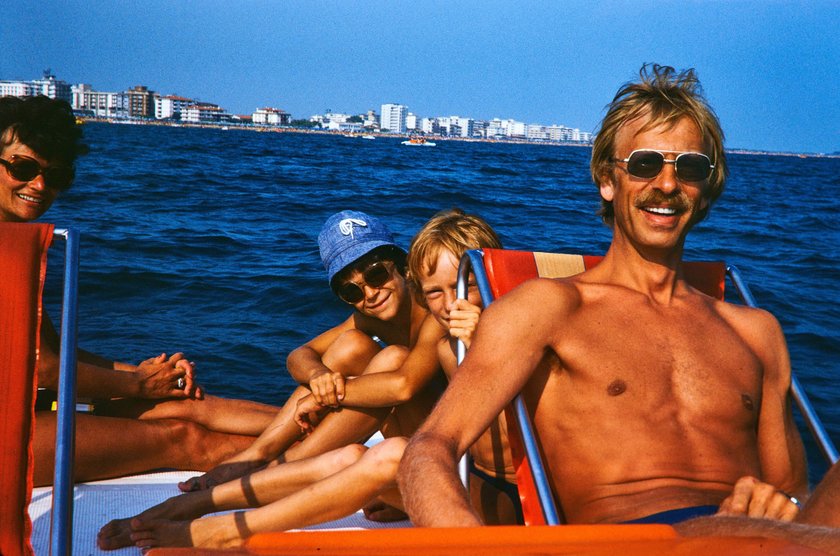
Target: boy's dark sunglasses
<point>26,169</point>
<point>374,276</point>
<point>647,163</point>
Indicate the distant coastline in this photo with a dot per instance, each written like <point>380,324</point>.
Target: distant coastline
<point>335,133</point>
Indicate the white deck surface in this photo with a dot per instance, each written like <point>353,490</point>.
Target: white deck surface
<point>96,503</point>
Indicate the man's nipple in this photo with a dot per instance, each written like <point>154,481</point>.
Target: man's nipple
<point>747,401</point>
<point>617,387</point>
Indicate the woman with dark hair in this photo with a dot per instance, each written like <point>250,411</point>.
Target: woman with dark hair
<point>146,416</point>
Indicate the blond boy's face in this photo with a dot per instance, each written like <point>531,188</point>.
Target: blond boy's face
<point>440,287</point>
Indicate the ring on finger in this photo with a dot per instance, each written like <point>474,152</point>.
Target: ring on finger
<point>180,383</point>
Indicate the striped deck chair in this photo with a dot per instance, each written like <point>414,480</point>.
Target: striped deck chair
<point>498,271</point>
<point>23,249</point>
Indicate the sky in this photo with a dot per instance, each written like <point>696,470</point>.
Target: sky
<point>770,68</point>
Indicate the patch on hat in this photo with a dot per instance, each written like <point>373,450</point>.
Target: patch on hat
<point>346,225</point>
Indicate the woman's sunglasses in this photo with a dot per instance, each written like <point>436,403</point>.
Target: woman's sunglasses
<point>26,169</point>
<point>647,164</point>
<point>374,276</point>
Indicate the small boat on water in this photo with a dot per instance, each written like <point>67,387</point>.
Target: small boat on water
<point>368,137</point>
<point>418,142</point>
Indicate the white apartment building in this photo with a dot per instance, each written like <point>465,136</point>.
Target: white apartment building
<point>505,128</point>
<point>461,127</point>
<point>15,89</point>
<point>516,129</point>
<point>430,126</point>
<point>536,132</point>
<point>48,86</point>
<point>345,127</point>
<point>100,104</point>
<point>271,116</point>
<point>393,118</point>
<point>204,113</point>
<point>171,106</point>
<point>568,134</point>
<point>411,121</point>
<point>51,87</point>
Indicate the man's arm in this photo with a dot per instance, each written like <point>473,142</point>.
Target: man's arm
<point>781,450</point>
<point>512,340</point>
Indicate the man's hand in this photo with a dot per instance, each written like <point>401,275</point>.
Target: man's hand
<point>753,498</point>
<point>463,318</point>
<point>307,414</point>
<point>327,388</point>
<point>158,378</point>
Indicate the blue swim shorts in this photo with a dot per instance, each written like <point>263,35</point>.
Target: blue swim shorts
<point>670,517</point>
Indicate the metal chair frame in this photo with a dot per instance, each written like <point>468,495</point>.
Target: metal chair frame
<point>61,521</point>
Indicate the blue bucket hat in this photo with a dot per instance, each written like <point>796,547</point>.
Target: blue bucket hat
<point>349,235</point>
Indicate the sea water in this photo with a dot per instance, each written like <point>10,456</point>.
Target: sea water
<point>205,240</point>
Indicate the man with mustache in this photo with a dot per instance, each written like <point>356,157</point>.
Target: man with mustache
<point>653,402</point>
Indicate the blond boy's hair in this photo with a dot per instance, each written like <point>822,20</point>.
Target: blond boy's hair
<point>452,230</point>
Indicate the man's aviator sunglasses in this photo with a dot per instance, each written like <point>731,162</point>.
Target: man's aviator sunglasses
<point>647,163</point>
<point>26,169</point>
<point>374,276</point>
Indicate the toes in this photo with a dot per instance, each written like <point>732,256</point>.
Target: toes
<point>189,485</point>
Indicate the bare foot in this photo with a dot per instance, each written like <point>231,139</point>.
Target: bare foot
<point>155,533</point>
<point>117,533</point>
<point>209,532</point>
<point>380,511</point>
<point>218,475</point>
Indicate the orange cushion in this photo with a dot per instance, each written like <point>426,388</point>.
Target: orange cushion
<point>23,249</point>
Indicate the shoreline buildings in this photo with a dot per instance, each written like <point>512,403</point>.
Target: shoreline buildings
<point>141,103</point>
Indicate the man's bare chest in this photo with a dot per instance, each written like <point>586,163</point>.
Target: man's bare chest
<point>650,357</point>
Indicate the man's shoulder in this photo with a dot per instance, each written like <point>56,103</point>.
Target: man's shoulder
<point>538,298</point>
<point>746,316</point>
<point>756,326</point>
<point>547,290</point>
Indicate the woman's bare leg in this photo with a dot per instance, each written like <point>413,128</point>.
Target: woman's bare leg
<point>216,414</point>
<point>331,498</point>
<point>111,447</point>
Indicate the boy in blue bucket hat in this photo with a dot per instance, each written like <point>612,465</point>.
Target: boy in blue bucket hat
<point>366,270</point>
<point>349,235</point>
